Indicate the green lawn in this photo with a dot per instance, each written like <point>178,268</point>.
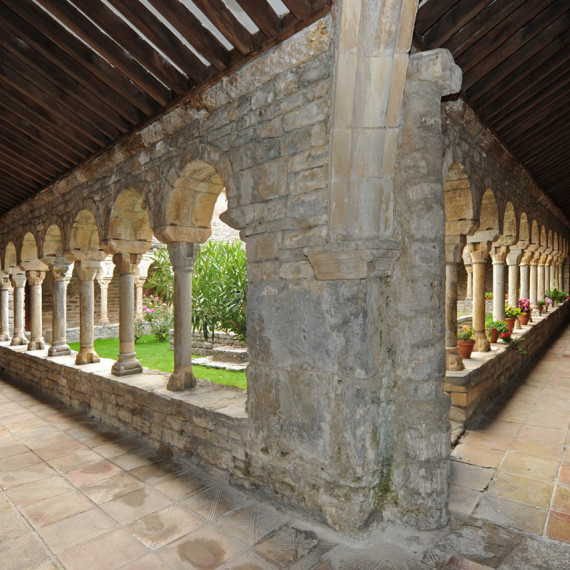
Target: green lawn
<point>157,355</point>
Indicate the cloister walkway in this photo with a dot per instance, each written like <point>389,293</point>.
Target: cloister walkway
<point>75,494</point>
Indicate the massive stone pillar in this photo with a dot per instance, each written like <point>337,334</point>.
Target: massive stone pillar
<point>4,307</point>
<point>513,259</point>
<point>182,256</point>
<point>499,256</point>
<point>103,280</point>
<point>35,279</point>
<point>18,279</point>
<point>127,362</point>
<point>61,277</point>
<point>453,249</point>
<point>86,271</point>
<point>479,253</point>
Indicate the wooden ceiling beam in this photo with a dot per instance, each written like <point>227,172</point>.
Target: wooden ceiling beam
<point>78,60</point>
<point>161,36</point>
<point>20,170</point>
<point>48,77</point>
<point>299,8</point>
<point>263,16</point>
<point>535,136</point>
<point>34,166</point>
<point>203,41</point>
<point>136,46</point>
<point>46,99</point>
<point>18,182</point>
<point>431,12</point>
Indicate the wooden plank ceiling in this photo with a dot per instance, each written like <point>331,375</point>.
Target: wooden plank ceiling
<point>515,57</point>
<point>77,75</point>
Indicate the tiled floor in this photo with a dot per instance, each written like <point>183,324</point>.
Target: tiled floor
<point>513,468</point>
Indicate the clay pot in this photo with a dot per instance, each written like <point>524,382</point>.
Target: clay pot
<point>510,324</point>
<point>465,347</point>
<point>493,334</point>
<point>523,319</point>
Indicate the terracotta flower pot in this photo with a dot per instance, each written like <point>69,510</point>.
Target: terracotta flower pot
<point>523,319</point>
<point>465,347</point>
<point>493,334</point>
<point>510,323</point>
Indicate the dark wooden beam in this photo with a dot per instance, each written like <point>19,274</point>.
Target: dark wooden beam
<point>81,63</point>
<point>262,15</point>
<point>299,8</point>
<point>203,41</point>
<point>431,12</point>
<point>9,153</point>
<point>18,169</point>
<point>159,34</point>
<point>18,182</point>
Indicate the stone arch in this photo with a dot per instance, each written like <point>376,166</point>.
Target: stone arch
<point>53,242</point>
<point>84,239</point>
<point>510,229</point>
<point>543,238</point>
<point>10,257</point>
<point>29,251</point>
<point>129,228</point>
<point>549,239</point>
<point>489,217</point>
<point>524,228</point>
<point>535,234</point>
<point>458,199</point>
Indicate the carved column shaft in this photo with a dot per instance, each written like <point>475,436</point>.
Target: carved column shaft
<point>532,284</point>
<point>499,255</point>
<point>18,283</point>
<point>61,280</point>
<point>35,280</point>
<point>540,279</point>
<point>479,259</point>
<point>86,273</point>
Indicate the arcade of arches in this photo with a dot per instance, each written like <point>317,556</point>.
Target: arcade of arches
<point>366,212</point>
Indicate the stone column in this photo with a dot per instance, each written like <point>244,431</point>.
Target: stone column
<point>513,259</point>
<point>35,279</point>
<point>103,281</point>
<point>499,256</point>
<point>139,282</point>
<point>479,254</point>
<point>18,283</point>
<point>127,362</point>
<point>182,256</point>
<point>4,307</point>
<point>533,263</point>
<point>86,272</point>
<point>524,274</point>
<point>453,248</point>
<point>547,284</point>
<point>540,277</point>
<point>553,277</point>
<point>61,278</point>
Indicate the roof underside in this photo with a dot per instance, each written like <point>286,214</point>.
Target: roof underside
<point>77,75</point>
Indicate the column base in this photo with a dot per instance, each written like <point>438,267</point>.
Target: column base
<point>126,364</point>
<point>19,339</point>
<point>87,356</point>
<point>59,349</point>
<point>104,321</point>
<point>482,343</point>
<point>453,360</point>
<point>36,344</point>
<point>181,379</point>
<point>5,337</point>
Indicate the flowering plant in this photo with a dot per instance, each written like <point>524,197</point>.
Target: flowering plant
<point>515,343</point>
<point>159,316</point>
<point>548,300</point>
<point>465,333</point>
<point>524,305</point>
<point>501,327</point>
<point>511,312</point>
<point>541,302</point>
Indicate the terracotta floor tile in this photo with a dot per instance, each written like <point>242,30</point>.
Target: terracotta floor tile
<point>12,525</point>
<point>522,489</point>
<point>477,455</point>
<point>59,449</point>
<point>512,514</point>
<point>114,449</point>
<point>39,491</point>
<point>470,476</point>
<point>165,526</point>
<point>558,527</point>
<point>548,420</point>
<point>204,548</point>
<point>111,488</point>
<point>250,561</point>
<point>529,466</point>
<point>92,473</point>
<point>489,440</point>
<point>148,562</point>
<point>561,500</point>
<point>13,448</point>
<point>74,460</point>
<point>70,532</point>
<point>499,427</point>
<point>214,502</point>
<point>24,553</point>
<point>564,475</point>
<point>136,505</point>
<point>538,449</point>
<point>542,434</point>
<point>18,461</point>
<point>158,471</point>
<point>181,486</point>
<point>56,508</point>
<point>112,550</point>
<point>10,479</point>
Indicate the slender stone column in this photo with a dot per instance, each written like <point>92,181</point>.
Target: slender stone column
<point>4,307</point>
<point>182,256</point>
<point>139,282</point>
<point>86,271</point>
<point>533,281</point>
<point>525,274</point>
<point>103,281</point>
<point>498,255</point>
<point>35,279</point>
<point>453,247</point>
<point>469,270</point>
<point>513,259</point>
<point>18,282</point>
<point>547,284</point>
<point>540,277</point>
<point>61,278</point>
<point>479,254</point>
<point>127,362</point>
<point>553,278</point>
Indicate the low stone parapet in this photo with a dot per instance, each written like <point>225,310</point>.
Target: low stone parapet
<point>487,374</point>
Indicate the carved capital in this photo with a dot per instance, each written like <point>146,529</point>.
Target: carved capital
<point>436,66</point>
<point>5,284</point>
<point>126,262</point>
<point>499,254</point>
<point>479,252</point>
<point>18,279</point>
<point>183,255</point>
<point>35,277</point>
<point>87,269</point>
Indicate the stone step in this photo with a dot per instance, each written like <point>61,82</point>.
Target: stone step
<point>229,354</point>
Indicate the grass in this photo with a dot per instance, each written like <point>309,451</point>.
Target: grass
<point>158,356</point>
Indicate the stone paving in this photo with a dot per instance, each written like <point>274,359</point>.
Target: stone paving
<point>76,494</point>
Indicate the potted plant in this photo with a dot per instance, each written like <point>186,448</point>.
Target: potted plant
<point>541,304</point>
<point>465,341</point>
<point>494,330</point>
<point>524,306</point>
<point>515,343</point>
<point>548,302</point>
<point>511,315</point>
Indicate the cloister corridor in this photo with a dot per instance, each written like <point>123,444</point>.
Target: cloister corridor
<point>77,494</point>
